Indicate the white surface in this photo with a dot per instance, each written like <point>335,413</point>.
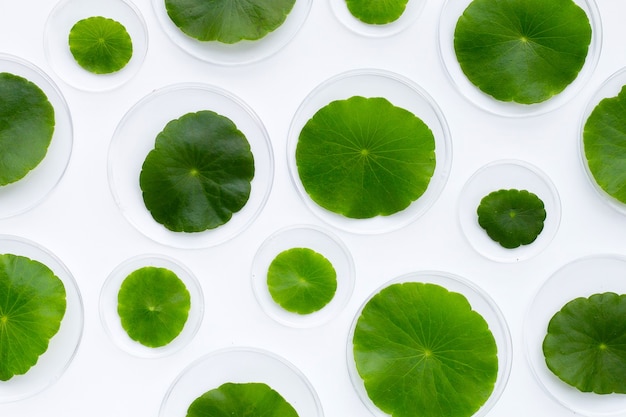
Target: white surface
<point>82,225</point>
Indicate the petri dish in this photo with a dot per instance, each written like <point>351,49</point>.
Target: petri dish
<point>241,365</point>
<point>61,20</point>
<point>409,16</point>
<point>401,92</point>
<point>111,320</point>
<point>134,138</point>
<point>321,241</point>
<point>31,190</point>
<point>64,344</point>
<point>239,53</point>
<point>508,174</point>
<point>581,277</point>
<point>450,13</point>
<point>480,302</point>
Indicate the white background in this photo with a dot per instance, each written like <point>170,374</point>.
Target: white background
<point>81,224</point>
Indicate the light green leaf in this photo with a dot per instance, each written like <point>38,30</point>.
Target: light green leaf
<point>377,12</point>
<point>364,157</point>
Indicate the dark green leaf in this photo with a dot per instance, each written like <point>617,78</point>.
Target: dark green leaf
<point>512,217</point>
<point>198,173</point>
<point>585,345</point>
<point>376,12</point>
<point>26,127</point>
<point>364,157</point>
<point>524,51</point>
<point>228,21</point>
<point>423,352</point>
<point>32,305</point>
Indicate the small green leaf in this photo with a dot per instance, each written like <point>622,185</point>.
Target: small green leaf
<point>423,352</point>
<point>585,345</point>
<point>153,305</point>
<point>524,51</point>
<point>377,12</point>
<point>364,157</point>
<point>604,137</point>
<point>250,399</point>
<point>228,21</point>
<point>26,127</point>
<point>512,217</point>
<point>301,280</point>
<point>100,45</point>
<point>32,305</point>
<point>198,174</point>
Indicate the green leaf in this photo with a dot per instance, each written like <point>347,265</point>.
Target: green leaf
<point>604,138</point>
<point>585,345</point>
<point>364,157</point>
<point>228,21</point>
<point>377,12</point>
<point>153,305</point>
<point>26,127</point>
<point>301,280</point>
<point>423,352</point>
<point>524,51</point>
<point>198,173</point>
<point>32,305</point>
<point>250,399</point>
<point>100,45</point>
<point>512,217</point>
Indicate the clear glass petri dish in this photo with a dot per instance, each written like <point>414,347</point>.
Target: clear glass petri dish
<point>28,192</point>
<point>239,53</point>
<point>241,365</point>
<point>135,135</point>
<point>322,242</point>
<point>64,344</point>
<point>401,92</point>
<point>610,88</point>
<point>56,33</point>
<point>450,13</point>
<point>480,302</point>
<point>111,320</point>
<point>582,277</point>
<point>508,174</point>
<point>409,16</point>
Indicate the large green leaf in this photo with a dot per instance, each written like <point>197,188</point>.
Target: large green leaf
<point>585,345</point>
<point>251,399</point>
<point>512,217</point>
<point>153,305</point>
<point>604,138</point>
<point>100,45</point>
<point>364,157</point>
<point>26,127</point>
<point>524,51</point>
<point>228,21</point>
<point>376,12</point>
<point>423,352</point>
<point>32,305</point>
<point>198,173</point>
<point>301,280</point>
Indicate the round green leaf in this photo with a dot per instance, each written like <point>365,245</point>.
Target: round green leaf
<point>100,45</point>
<point>512,217</point>
<point>198,174</point>
<point>301,280</point>
<point>228,21</point>
<point>423,352</point>
<point>604,138</point>
<point>32,305</point>
<point>524,51</point>
<point>364,157</point>
<point>26,127</point>
<point>585,345</point>
<point>377,12</point>
<point>248,399</point>
<point>153,305</point>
